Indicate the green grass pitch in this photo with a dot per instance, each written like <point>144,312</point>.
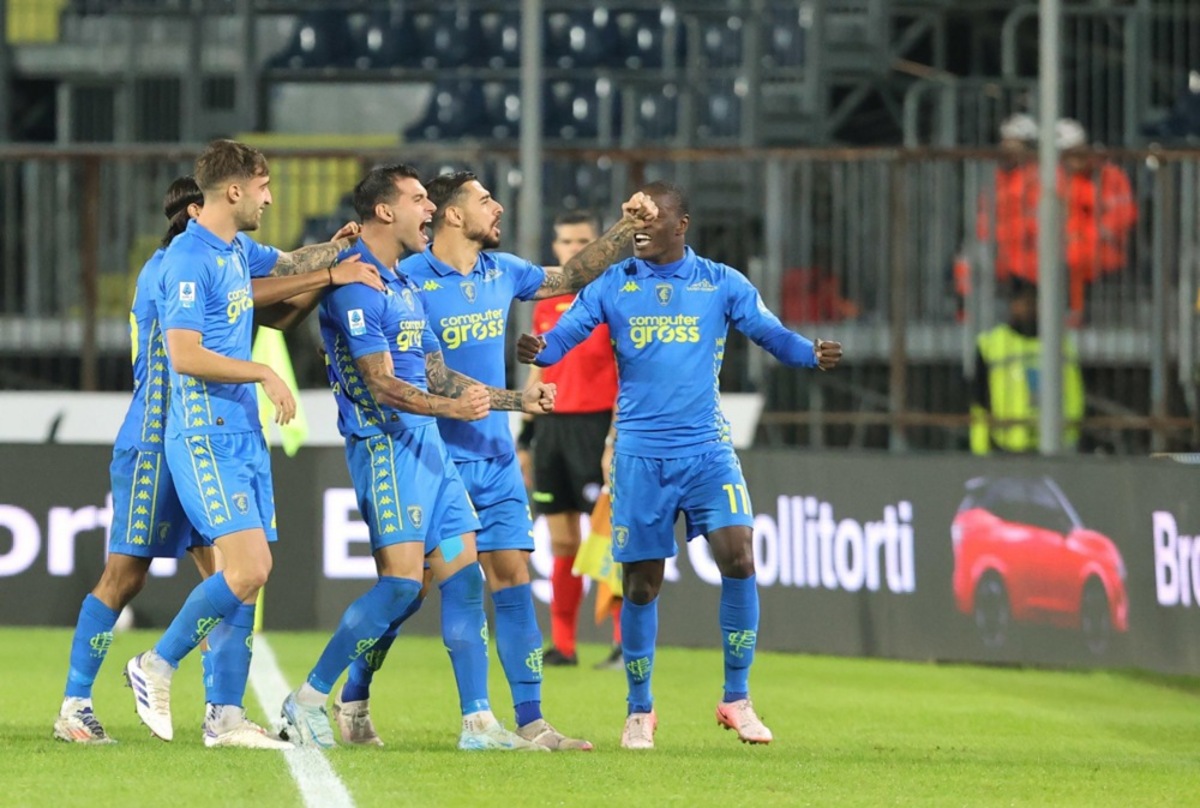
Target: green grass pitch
<point>848,732</point>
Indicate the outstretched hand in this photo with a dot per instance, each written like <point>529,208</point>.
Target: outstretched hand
<point>640,209</point>
<point>828,353</point>
<point>354,270</point>
<point>528,347</point>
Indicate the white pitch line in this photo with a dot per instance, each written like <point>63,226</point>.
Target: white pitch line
<point>319,785</point>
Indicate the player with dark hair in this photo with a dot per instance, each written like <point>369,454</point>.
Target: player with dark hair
<point>468,293</point>
<point>669,312</point>
<point>569,447</point>
<point>387,373</point>
<point>148,521</point>
<point>213,443</point>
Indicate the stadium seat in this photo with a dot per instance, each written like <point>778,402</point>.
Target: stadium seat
<point>575,39</point>
<point>456,109</point>
<point>384,39</point>
<point>719,110</point>
<point>502,110</point>
<point>321,39</point>
<point>448,38</point>
<point>500,39</point>
<point>721,42</point>
<point>640,39</point>
<point>783,37</point>
<point>572,109</point>
<point>656,113</point>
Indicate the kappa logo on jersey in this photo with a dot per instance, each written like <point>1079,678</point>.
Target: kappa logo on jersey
<point>491,275</point>
<point>663,293</point>
<point>702,286</point>
<point>187,294</point>
<point>631,286</point>
<point>431,286</point>
<point>357,323</point>
<point>468,290</point>
<point>407,296</point>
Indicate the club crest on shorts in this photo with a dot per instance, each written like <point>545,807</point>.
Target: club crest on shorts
<point>242,502</point>
<point>620,536</point>
<point>415,515</point>
<point>468,290</point>
<point>663,292</point>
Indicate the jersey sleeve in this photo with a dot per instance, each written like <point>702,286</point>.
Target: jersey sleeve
<point>576,323</point>
<point>527,277</point>
<point>750,315</point>
<point>357,310</point>
<point>187,281</point>
<point>260,260</point>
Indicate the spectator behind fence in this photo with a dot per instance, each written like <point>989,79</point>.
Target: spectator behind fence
<point>1005,396</point>
<point>1098,210</point>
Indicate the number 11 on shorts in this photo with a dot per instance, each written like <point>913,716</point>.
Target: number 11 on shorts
<point>733,491</point>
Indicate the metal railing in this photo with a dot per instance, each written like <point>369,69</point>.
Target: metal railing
<point>893,252</point>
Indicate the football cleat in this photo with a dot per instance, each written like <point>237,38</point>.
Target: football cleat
<point>304,725</point>
<point>353,719</point>
<point>152,695</point>
<point>76,723</point>
<point>639,731</point>
<point>241,733</point>
<point>543,734</point>
<point>557,659</point>
<point>613,662</point>
<point>740,716</point>
<point>481,731</point>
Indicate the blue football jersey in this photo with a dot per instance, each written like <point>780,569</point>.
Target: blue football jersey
<point>469,314</point>
<point>204,285</point>
<point>668,326</point>
<point>356,320</point>
<point>145,420</point>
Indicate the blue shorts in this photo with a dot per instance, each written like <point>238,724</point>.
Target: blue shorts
<point>408,488</point>
<point>148,520</point>
<point>498,491</point>
<point>224,482</point>
<point>648,493</point>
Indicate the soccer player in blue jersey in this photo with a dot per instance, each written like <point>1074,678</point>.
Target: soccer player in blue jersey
<point>214,445</point>
<point>390,382</point>
<point>669,311</point>
<point>148,521</point>
<point>468,293</point>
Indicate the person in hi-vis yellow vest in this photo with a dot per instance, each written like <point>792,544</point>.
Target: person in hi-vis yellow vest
<point>1005,406</point>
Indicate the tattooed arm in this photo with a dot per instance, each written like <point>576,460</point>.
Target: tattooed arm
<point>377,371</point>
<point>283,302</point>
<point>535,399</point>
<point>602,253</point>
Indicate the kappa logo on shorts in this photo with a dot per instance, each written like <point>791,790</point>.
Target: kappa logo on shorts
<point>620,536</point>
<point>242,502</point>
<point>357,322</point>
<point>663,292</point>
<point>468,290</point>
<point>415,515</point>
<point>187,293</point>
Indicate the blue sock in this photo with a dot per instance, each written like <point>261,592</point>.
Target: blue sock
<point>639,632</point>
<point>464,633</point>
<point>362,670</point>
<point>210,602</point>
<point>362,624</point>
<point>519,642</point>
<point>206,669</point>
<point>93,636</point>
<point>739,633</point>
<point>228,657</point>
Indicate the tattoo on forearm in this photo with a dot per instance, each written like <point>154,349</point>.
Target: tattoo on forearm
<point>442,380</point>
<point>309,259</point>
<point>592,259</point>
<point>505,399</point>
<point>376,370</point>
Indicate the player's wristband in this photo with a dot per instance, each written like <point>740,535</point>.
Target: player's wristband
<point>525,439</point>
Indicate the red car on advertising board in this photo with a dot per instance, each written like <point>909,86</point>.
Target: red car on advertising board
<point>1022,554</point>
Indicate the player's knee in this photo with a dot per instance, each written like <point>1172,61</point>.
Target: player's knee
<point>739,565</point>
<point>640,590</point>
<point>248,576</point>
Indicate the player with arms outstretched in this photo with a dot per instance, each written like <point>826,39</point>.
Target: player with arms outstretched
<point>669,311</point>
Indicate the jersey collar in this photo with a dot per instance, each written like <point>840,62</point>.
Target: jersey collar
<point>208,237</point>
<point>389,274</point>
<point>677,269</point>
<point>444,269</point>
